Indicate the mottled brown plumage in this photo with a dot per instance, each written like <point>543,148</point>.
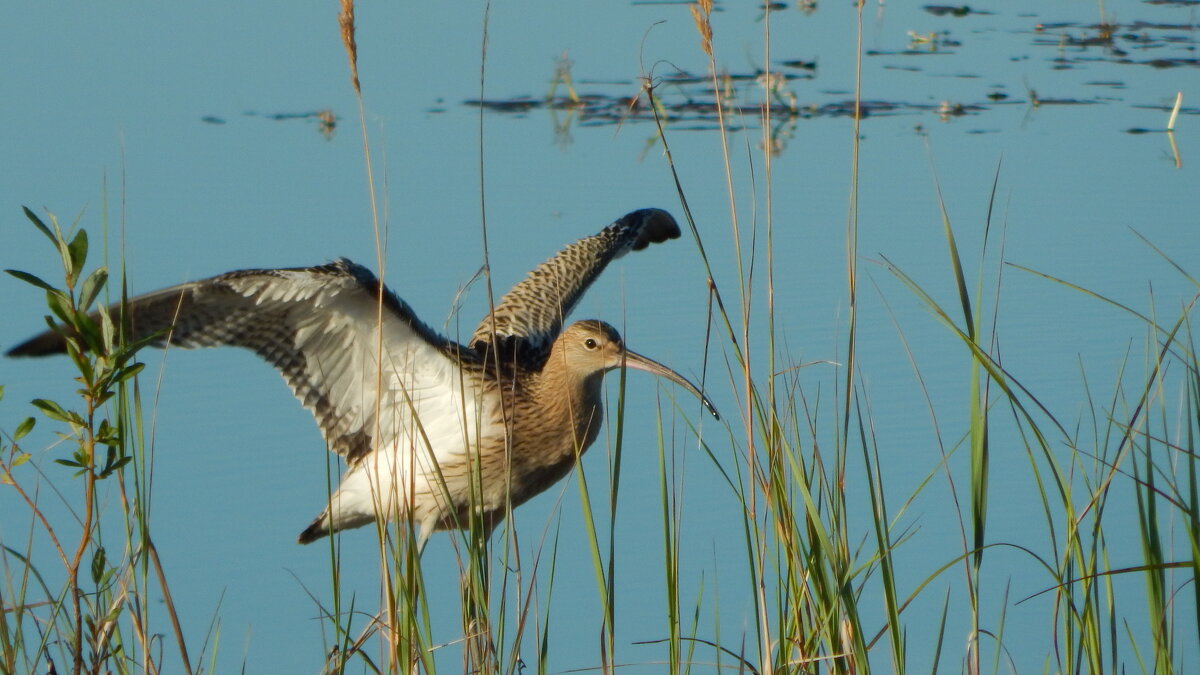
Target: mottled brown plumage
<point>454,428</point>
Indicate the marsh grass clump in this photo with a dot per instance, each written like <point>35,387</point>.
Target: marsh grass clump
<point>827,596</point>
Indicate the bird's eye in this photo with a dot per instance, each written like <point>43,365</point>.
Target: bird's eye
<point>590,343</point>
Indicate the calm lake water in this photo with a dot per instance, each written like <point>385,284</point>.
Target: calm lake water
<point>191,131</point>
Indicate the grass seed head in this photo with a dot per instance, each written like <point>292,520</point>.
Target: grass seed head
<point>700,14</point>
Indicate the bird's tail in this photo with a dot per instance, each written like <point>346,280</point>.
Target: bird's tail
<point>319,528</point>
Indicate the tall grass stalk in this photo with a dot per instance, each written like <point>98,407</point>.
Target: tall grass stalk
<point>805,562</point>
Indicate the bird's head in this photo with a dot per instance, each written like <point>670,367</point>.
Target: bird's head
<point>591,348</point>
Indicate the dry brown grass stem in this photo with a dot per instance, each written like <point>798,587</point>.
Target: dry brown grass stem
<point>700,14</point>
<point>346,22</point>
<point>172,614</point>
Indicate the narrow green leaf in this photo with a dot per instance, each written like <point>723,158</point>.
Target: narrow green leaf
<point>37,222</point>
<point>131,348</point>
<point>60,305</point>
<point>52,410</point>
<point>1,392</point>
<point>113,463</point>
<point>78,250</point>
<point>87,372</point>
<point>90,332</point>
<point>31,279</point>
<point>113,615</point>
<point>128,372</point>
<point>69,463</point>
<point>20,459</point>
<point>104,432</point>
<point>98,560</point>
<point>24,428</point>
<point>92,286</point>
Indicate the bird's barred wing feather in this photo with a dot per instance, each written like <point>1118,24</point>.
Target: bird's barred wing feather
<point>318,327</point>
<point>531,315</point>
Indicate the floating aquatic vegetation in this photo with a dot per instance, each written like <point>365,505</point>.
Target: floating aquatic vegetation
<point>691,101</point>
<point>1075,43</point>
<point>952,10</point>
<point>326,120</point>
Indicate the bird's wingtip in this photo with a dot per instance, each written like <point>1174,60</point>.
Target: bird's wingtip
<point>654,227</point>
<point>40,345</point>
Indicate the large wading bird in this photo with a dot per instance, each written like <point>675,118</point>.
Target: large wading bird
<point>430,429</point>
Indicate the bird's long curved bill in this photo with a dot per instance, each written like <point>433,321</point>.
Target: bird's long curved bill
<point>635,360</point>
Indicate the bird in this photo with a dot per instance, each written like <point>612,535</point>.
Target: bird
<point>433,433</point>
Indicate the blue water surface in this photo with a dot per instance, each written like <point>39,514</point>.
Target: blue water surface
<point>182,137</point>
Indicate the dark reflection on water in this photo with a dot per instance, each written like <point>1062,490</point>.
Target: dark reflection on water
<point>686,100</point>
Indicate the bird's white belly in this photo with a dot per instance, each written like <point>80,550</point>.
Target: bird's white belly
<point>424,475</point>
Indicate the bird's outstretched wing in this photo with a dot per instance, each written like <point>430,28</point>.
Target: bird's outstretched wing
<point>319,327</point>
<point>530,316</point>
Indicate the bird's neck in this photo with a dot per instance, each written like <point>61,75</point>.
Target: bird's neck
<point>572,401</point>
